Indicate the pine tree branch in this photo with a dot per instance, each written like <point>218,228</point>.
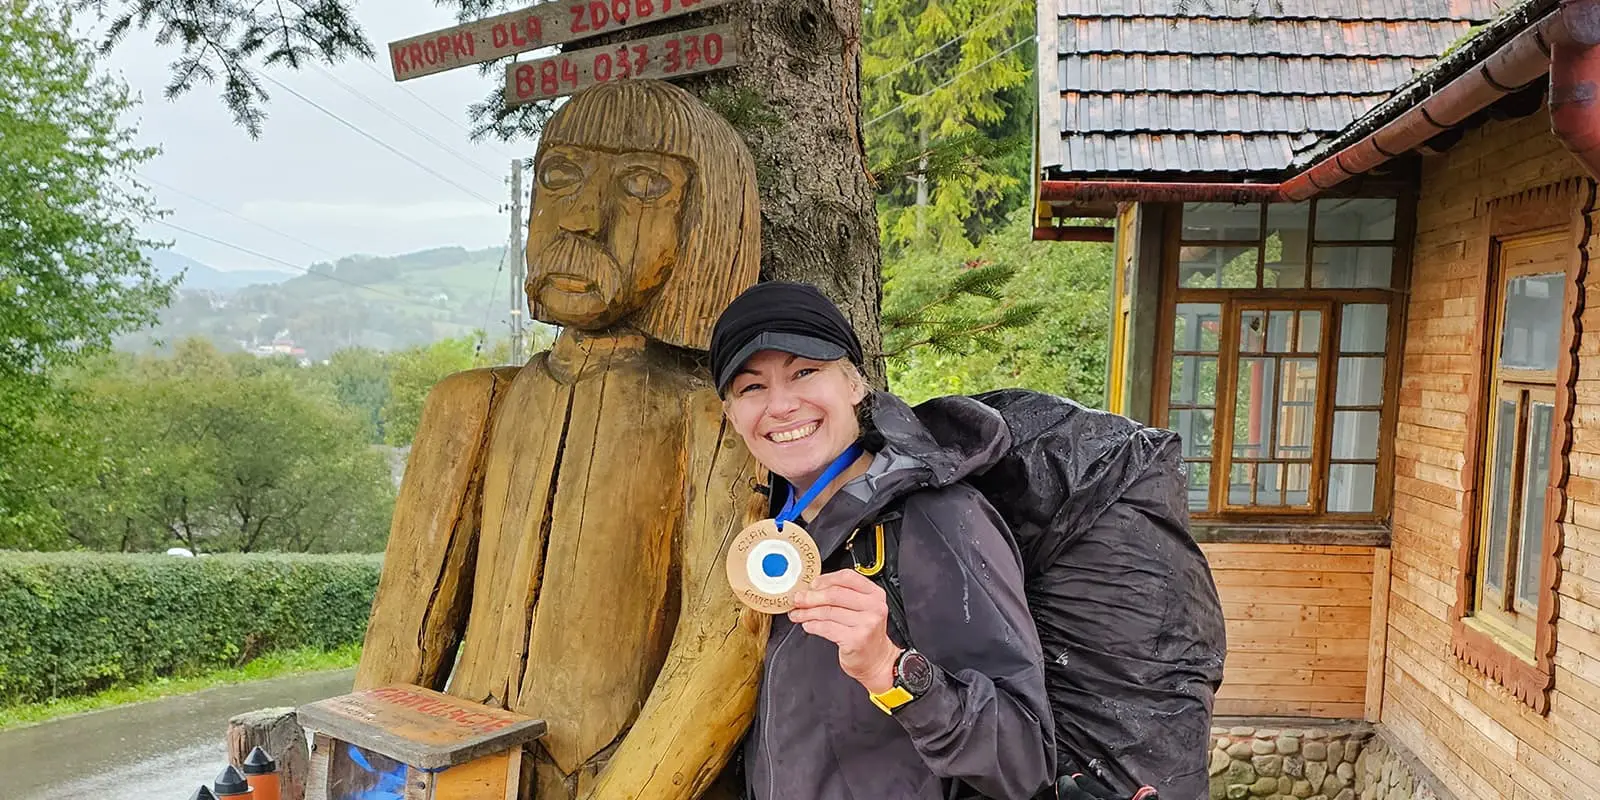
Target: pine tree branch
<point>230,38</point>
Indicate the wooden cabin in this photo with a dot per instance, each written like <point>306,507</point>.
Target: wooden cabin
<point>1352,246</point>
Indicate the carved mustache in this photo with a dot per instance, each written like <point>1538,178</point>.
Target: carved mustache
<point>577,257</point>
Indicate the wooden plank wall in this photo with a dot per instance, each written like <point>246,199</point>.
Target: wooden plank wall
<point>1299,620</point>
<point>1474,735</point>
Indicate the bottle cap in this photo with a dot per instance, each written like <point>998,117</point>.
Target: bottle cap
<point>203,793</point>
<point>259,763</point>
<point>231,782</point>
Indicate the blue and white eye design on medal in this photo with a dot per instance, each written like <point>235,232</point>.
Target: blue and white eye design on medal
<point>773,566</point>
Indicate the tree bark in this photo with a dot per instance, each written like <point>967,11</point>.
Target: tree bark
<point>277,731</point>
<point>796,100</point>
<point>819,216</point>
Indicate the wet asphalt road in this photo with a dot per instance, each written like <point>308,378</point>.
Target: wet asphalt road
<point>159,750</point>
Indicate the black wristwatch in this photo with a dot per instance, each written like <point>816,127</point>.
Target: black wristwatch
<point>913,678</point>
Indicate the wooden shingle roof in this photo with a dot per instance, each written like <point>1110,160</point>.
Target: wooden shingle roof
<point>1131,88</point>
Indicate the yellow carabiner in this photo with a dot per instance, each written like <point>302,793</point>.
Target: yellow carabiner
<point>877,564</point>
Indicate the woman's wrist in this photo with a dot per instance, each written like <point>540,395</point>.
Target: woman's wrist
<point>881,678</point>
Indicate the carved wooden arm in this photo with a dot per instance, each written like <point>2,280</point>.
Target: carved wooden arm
<point>705,696</point>
<point>421,606</point>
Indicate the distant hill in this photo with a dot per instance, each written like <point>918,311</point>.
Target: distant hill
<point>382,302</point>
<point>200,277</point>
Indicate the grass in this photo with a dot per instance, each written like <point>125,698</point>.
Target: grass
<point>271,665</point>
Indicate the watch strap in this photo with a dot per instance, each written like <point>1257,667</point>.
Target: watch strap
<point>888,701</point>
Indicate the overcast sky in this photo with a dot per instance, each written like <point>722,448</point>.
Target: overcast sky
<point>311,178</point>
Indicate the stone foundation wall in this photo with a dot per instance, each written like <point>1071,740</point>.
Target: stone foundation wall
<point>1314,762</point>
<point>1386,771</point>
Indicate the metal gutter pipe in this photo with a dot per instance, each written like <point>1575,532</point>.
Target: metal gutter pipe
<point>1574,78</point>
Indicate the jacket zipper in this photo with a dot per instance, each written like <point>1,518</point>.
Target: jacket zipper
<point>766,722</point>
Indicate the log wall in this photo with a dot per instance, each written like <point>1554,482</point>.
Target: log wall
<point>1299,628</point>
<point>1478,738</point>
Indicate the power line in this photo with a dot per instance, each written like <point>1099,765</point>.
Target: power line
<point>408,123</point>
<point>964,34</point>
<point>267,228</point>
<point>980,65</point>
<point>494,286</point>
<point>376,140</point>
<point>277,260</point>
<point>431,107</point>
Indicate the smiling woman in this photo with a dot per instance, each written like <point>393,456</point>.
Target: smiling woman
<point>945,697</point>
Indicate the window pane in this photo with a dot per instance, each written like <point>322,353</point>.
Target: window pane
<point>1197,326</point>
<point>1213,221</point>
<point>1500,477</point>
<point>1203,266</point>
<point>1352,267</point>
<point>1530,548</point>
<point>1355,434</point>
<point>1199,485</point>
<point>1351,220</point>
<point>1269,492</point>
<point>1239,480</point>
<point>1280,331</point>
<point>1194,381</point>
<point>1360,382</point>
<point>1532,327</point>
<point>1285,265</point>
<point>1350,487</point>
<point>1298,431</point>
<point>1363,328</point>
<point>1252,332</point>
<point>1296,484</point>
<point>1196,427</point>
<point>1300,381</point>
<point>1298,398</point>
<point>1310,333</point>
<point>1253,408</point>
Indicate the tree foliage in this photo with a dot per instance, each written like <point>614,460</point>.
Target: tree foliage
<point>230,39</point>
<point>414,373</point>
<point>948,95</point>
<point>206,452</point>
<point>71,272</point>
<point>1057,292</point>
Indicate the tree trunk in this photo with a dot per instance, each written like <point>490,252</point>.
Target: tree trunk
<point>278,732</point>
<point>796,99</point>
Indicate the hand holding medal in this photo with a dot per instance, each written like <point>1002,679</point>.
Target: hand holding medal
<point>774,558</point>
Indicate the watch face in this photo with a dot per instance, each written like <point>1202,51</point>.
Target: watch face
<point>915,673</point>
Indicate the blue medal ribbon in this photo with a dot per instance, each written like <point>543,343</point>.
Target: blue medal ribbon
<point>793,507</point>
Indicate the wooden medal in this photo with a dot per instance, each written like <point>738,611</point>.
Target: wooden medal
<point>767,566</point>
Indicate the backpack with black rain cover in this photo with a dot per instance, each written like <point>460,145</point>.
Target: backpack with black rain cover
<point>1122,597</point>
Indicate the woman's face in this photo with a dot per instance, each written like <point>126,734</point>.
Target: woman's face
<point>796,415</point>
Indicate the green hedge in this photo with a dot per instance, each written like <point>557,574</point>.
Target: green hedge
<point>73,623</point>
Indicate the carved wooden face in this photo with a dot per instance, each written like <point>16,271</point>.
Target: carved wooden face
<point>604,232</point>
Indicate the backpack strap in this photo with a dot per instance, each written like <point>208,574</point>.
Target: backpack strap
<point>874,551</point>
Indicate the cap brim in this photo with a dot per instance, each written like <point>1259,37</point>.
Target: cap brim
<point>791,343</point>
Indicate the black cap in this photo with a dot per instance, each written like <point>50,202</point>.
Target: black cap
<point>259,763</point>
<point>230,782</point>
<point>794,318</point>
<point>203,793</point>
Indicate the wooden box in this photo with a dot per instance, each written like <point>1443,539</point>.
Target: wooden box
<point>409,743</point>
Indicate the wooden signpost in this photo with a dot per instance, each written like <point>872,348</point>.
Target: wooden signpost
<point>531,28</point>
<point>663,57</point>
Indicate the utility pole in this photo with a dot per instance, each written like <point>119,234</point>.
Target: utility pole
<point>518,262</point>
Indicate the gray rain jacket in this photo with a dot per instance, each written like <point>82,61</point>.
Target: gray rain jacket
<point>987,723</point>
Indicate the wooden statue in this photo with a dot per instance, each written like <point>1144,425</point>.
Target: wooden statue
<point>566,521</point>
